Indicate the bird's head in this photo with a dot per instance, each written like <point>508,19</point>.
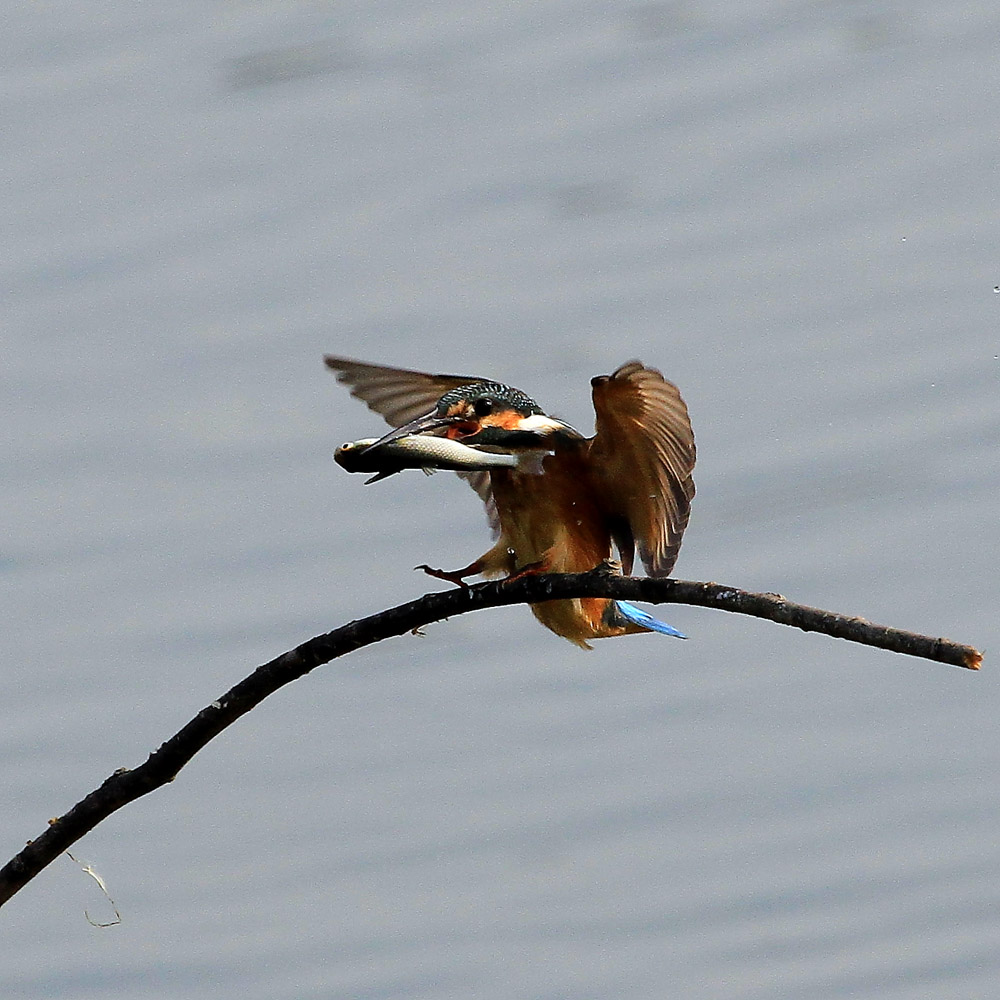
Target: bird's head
<point>486,413</point>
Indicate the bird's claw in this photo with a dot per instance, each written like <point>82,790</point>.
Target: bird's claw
<point>440,574</point>
<point>608,567</point>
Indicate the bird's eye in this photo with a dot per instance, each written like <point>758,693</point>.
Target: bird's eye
<point>482,406</point>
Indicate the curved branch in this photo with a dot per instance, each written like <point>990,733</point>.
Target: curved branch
<point>126,785</point>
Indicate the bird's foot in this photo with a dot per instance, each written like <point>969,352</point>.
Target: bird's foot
<point>454,577</point>
<point>532,569</point>
<point>608,567</point>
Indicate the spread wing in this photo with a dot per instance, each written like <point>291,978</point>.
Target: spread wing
<point>397,394</point>
<point>642,458</point>
<point>400,395</point>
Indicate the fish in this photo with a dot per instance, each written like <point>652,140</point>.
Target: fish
<point>428,453</point>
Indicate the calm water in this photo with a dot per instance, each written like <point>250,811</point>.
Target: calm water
<point>791,208</point>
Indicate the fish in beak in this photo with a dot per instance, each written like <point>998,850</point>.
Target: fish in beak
<point>422,425</point>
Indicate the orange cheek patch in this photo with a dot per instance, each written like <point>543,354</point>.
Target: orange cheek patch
<point>508,420</point>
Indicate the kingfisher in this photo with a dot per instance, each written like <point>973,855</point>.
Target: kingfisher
<point>626,489</point>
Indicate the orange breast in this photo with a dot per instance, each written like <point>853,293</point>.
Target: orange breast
<point>553,521</point>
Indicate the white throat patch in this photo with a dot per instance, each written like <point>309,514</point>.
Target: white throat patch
<point>541,424</point>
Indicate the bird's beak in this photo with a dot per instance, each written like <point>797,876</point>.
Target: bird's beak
<point>428,422</point>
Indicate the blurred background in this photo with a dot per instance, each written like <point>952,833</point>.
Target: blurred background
<point>791,208</point>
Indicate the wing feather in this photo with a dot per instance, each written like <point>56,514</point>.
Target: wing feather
<point>400,395</point>
<point>642,457</point>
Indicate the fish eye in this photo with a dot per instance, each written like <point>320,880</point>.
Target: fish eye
<point>482,406</point>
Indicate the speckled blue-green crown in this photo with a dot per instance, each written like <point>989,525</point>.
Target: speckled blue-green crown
<point>504,394</point>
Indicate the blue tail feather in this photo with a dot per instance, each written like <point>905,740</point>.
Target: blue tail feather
<point>639,617</point>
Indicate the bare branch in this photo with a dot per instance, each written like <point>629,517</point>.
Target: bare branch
<point>126,785</point>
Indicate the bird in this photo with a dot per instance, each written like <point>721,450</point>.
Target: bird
<point>628,488</point>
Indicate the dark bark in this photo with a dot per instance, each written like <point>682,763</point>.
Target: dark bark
<point>126,785</point>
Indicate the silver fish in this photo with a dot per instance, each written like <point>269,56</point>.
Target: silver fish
<point>427,453</point>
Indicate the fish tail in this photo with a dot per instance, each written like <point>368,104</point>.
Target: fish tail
<point>531,461</point>
<point>639,617</point>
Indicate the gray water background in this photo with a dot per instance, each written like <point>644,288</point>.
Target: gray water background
<point>789,207</point>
